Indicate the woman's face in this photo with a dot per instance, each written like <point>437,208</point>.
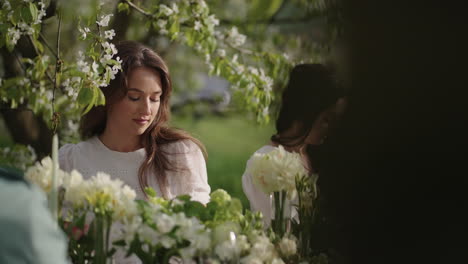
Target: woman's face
<point>135,112</point>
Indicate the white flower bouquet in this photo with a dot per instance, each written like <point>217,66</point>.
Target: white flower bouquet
<point>100,216</point>
<point>275,174</point>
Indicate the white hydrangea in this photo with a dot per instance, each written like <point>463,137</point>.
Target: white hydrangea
<point>287,247</point>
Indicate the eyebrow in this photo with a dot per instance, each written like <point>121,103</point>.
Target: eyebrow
<point>140,91</point>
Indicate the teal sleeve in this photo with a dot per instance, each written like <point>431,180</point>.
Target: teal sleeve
<point>28,234</point>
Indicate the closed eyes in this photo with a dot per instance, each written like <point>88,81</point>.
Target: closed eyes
<point>134,99</point>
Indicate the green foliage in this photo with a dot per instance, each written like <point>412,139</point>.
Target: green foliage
<point>262,9</point>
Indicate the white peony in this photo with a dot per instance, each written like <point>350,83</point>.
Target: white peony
<point>276,170</point>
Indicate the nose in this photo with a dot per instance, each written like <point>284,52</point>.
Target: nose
<point>145,107</point>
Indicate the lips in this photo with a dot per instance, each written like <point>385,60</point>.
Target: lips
<point>141,121</point>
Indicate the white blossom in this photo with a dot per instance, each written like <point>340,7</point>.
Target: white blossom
<point>95,67</point>
<point>175,8</point>
<point>14,35</point>
<point>197,25</point>
<point>6,5</point>
<point>221,52</point>
<point>235,38</point>
<point>104,22</point>
<point>109,34</point>
<point>212,21</point>
<point>109,48</point>
<point>166,10</point>
<point>42,12</point>
<point>84,31</point>
<point>162,23</point>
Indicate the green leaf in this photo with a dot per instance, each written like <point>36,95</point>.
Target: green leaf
<point>38,45</point>
<point>150,192</point>
<point>123,7</point>
<point>101,99</point>
<point>26,15</point>
<point>262,9</point>
<point>33,11</point>
<point>85,96</point>
<point>174,29</point>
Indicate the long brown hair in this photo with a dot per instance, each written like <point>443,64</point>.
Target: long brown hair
<point>135,55</point>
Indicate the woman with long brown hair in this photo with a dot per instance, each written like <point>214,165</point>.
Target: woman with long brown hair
<point>129,137</point>
<point>311,103</point>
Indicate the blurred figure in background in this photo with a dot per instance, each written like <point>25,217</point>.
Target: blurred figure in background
<point>311,105</point>
<point>28,233</point>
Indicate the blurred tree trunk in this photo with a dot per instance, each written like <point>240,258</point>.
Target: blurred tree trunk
<point>24,127</point>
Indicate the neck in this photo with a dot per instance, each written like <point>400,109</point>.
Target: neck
<point>119,142</point>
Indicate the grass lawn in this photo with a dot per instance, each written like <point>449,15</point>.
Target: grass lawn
<point>229,142</point>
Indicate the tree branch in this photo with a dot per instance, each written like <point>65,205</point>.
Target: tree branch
<point>137,8</point>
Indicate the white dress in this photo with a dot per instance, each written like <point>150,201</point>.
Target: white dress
<point>259,201</point>
<point>92,156</point>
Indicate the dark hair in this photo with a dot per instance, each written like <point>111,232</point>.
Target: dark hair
<point>135,55</point>
<point>311,90</point>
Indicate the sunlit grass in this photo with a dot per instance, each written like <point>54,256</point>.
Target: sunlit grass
<point>229,142</point>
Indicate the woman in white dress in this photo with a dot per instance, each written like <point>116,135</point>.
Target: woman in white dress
<point>129,138</point>
<point>311,103</point>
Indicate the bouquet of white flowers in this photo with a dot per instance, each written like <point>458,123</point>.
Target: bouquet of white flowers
<point>275,174</point>
<point>155,230</point>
